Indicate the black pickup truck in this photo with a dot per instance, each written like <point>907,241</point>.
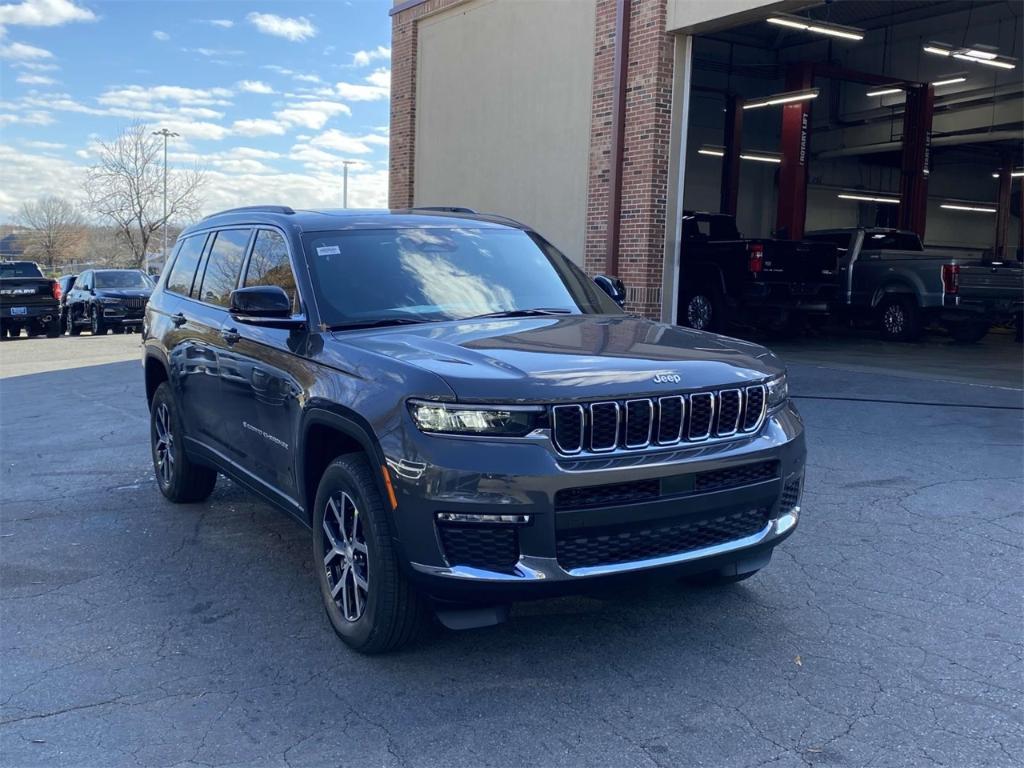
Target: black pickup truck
<point>725,278</point>
<point>27,300</point>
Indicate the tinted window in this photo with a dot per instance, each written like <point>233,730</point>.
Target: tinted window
<point>85,281</point>
<point>20,269</point>
<point>224,265</point>
<point>130,279</point>
<point>180,279</point>
<point>890,241</point>
<point>269,264</point>
<point>441,274</point>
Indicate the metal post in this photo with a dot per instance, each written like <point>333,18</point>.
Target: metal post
<point>916,160</point>
<point>344,183</point>
<point>166,134</point>
<point>795,145</point>
<point>730,187</point>
<point>1003,210</point>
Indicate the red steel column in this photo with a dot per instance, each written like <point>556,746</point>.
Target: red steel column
<point>795,146</point>
<point>731,161</point>
<point>916,162</point>
<point>1003,209</point>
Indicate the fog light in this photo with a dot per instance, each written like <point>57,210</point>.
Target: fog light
<point>465,517</point>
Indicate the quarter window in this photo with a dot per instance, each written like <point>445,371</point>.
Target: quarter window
<point>269,265</point>
<point>184,269</point>
<point>223,266</point>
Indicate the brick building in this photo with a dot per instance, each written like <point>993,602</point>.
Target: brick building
<point>573,116</point>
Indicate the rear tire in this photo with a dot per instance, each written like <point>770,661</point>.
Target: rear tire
<point>180,479</point>
<point>703,310</point>
<point>369,602</point>
<point>53,329</point>
<point>899,319</point>
<point>969,332</point>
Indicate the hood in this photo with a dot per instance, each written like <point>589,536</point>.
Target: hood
<point>567,358</point>
<point>124,293</point>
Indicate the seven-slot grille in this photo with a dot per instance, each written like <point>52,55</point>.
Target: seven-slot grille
<point>609,425</point>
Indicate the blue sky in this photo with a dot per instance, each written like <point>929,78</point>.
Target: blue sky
<point>268,97</point>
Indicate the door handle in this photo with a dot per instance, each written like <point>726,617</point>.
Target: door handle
<point>178,319</point>
<point>230,335</point>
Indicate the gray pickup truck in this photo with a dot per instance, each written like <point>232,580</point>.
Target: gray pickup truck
<point>889,278</point>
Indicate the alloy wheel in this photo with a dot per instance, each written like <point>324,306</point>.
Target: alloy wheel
<point>347,559</point>
<point>698,312</point>
<point>894,319</point>
<point>164,444</point>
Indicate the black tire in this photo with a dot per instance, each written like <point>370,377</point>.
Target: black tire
<point>969,332</point>
<point>180,479</point>
<point>119,329</point>
<point>716,579</point>
<point>73,330</point>
<point>96,322</point>
<point>3,333</point>
<point>384,613</point>
<point>53,328</point>
<point>703,310</point>
<point>899,319</point>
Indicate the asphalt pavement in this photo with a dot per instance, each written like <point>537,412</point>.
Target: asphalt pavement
<point>887,631</point>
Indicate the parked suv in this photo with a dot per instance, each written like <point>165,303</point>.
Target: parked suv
<point>459,414</point>
<point>105,299</point>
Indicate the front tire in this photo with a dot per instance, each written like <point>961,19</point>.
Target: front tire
<point>98,328</point>
<point>899,319</point>
<point>369,602</point>
<point>180,479</point>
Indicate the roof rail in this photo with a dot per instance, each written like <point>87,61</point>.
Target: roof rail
<point>256,209</point>
<point>442,208</point>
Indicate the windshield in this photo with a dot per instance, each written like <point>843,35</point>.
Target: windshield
<point>430,274</point>
<point>22,269</point>
<point>121,278</point>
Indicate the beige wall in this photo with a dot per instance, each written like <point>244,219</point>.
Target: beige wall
<point>709,15</point>
<point>503,112</point>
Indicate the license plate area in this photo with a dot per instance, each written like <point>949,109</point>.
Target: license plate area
<point>15,311</point>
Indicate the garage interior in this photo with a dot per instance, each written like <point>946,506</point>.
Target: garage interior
<point>949,67</point>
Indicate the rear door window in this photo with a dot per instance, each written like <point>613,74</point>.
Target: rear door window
<point>184,269</point>
<point>224,265</point>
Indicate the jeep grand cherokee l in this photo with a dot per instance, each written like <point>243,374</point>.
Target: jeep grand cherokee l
<point>460,416</point>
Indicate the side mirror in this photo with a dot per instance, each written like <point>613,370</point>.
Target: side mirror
<point>614,287</point>
<point>265,305</point>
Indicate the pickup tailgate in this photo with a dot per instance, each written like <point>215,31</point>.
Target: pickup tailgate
<point>799,262</point>
<point>991,282</point>
<point>26,292</point>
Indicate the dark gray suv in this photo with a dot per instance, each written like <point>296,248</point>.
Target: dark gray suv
<point>459,414</point>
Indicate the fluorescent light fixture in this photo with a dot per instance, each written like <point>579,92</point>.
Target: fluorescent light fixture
<point>949,80</point>
<point>884,92</point>
<point>761,157</point>
<point>973,208</point>
<point>1016,174</point>
<point>868,198</point>
<point>782,98</point>
<point>818,27</point>
<point>939,49</point>
<point>1002,63</point>
<point>978,53</point>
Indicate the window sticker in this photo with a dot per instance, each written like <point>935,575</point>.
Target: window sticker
<point>328,250</point>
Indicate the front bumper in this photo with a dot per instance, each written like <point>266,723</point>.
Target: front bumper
<point>115,315</point>
<point>521,481</point>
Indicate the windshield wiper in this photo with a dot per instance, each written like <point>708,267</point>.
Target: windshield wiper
<point>383,322</point>
<point>520,313</point>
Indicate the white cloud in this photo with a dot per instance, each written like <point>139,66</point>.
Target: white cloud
<point>295,30</point>
<point>35,80</point>
<point>347,144</point>
<point>363,58</point>
<point>143,97</point>
<point>378,87</point>
<point>312,114</point>
<point>45,145</point>
<point>159,35</point>
<point>254,86</point>
<point>22,51</point>
<point>258,127</point>
<point>307,78</point>
<point>43,13</point>
<point>35,66</point>
<point>208,52</point>
<point>380,77</point>
<point>28,176</point>
<point>223,23</point>
<point>28,117</point>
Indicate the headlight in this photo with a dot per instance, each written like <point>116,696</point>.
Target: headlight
<point>498,421</point>
<point>778,391</point>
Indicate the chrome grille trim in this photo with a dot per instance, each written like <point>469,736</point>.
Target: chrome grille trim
<point>682,419</point>
<point>618,422</point>
<point>586,415</point>
<point>650,423</point>
<point>764,407</point>
<point>739,413</point>
<point>565,410</point>
<point>711,418</point>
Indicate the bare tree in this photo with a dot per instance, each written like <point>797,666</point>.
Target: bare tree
<point>126,188</point>
<point>56,230</point>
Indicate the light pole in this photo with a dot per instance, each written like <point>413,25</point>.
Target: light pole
<point>344,183</point>
<point>167,135</point>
